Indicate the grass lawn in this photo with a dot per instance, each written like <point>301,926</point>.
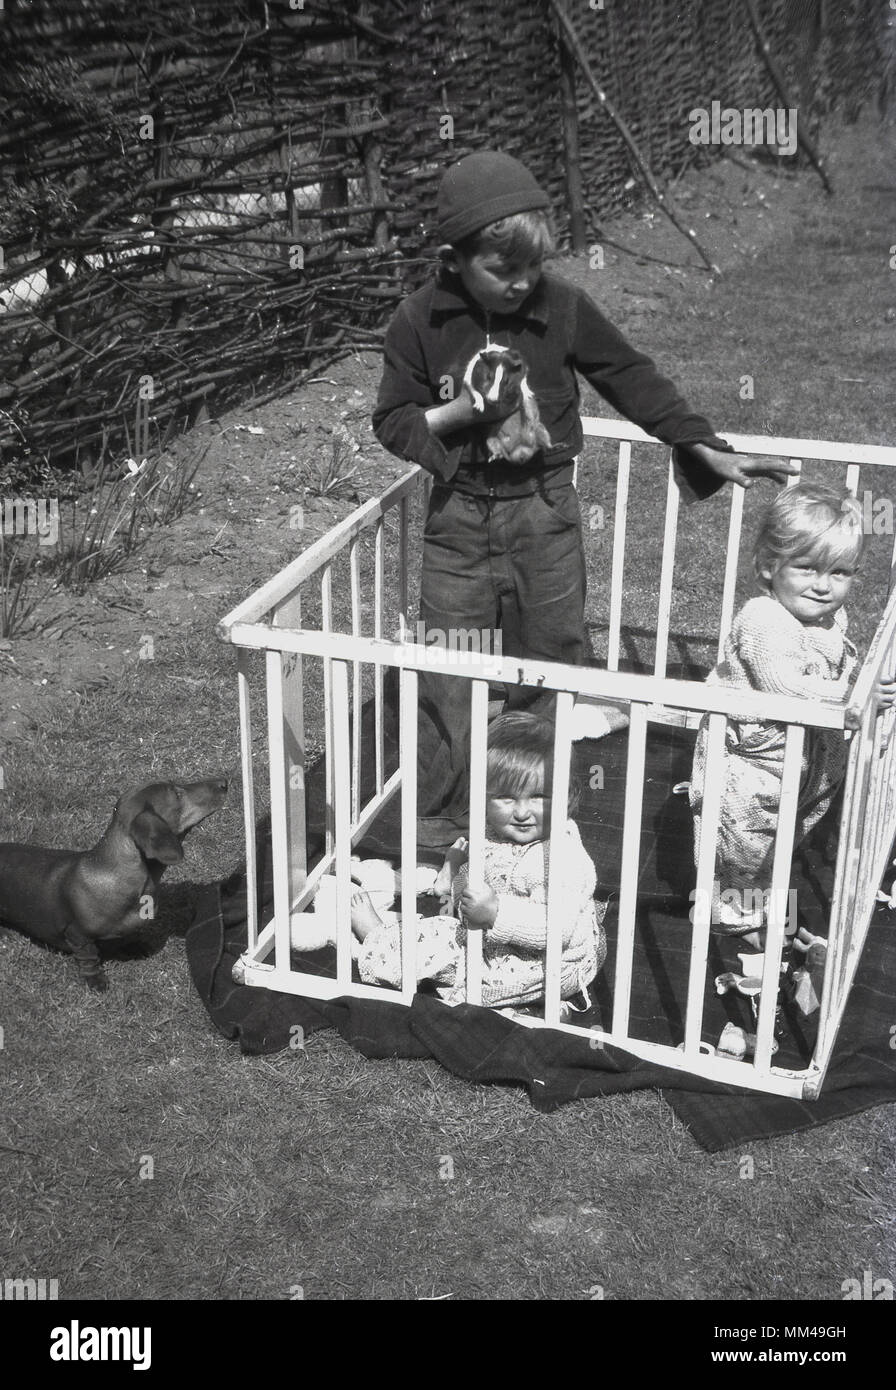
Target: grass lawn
<point>141,1156</point>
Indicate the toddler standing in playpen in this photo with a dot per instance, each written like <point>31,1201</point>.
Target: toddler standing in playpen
<point>502,543</point>
<point>510,906</point>
<point>790,640</point>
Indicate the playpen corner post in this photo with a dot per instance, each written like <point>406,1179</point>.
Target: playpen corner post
<point>279,783</point>
<point>292,708</point>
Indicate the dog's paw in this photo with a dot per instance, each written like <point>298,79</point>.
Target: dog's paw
<point>97,983</point>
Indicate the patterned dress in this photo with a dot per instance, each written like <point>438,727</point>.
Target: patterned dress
<point>769,649</point>
<point>513,947</point>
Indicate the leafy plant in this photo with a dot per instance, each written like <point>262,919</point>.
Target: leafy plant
<point>102,529</point>
<point>336,468</point>
<point>16,602</point>
<point>107,524</point>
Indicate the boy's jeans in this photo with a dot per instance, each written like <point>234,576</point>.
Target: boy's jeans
<point>514,564</point>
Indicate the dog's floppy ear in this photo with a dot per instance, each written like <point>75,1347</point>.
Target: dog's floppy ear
<point>154,837</point>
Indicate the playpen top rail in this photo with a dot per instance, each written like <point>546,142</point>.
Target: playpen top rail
<point>766,446</point>
<point>615,686</point>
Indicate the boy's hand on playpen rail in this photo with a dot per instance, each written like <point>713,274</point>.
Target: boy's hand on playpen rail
<point>742,468</point>
<point>478,907</point>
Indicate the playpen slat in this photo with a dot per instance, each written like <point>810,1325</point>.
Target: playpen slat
<point>378,713</point>
<point>888,770</point>
<point>403,566</point>
<point>779,899</point>
<point>326,611</point>
<point>794,478</point>
<point>878,837</point>
<point>870,869</point>
<point>476,852</point>
<point>342,785</point>
<point>408,904</point>
<point>709,829</point>
<point>248,774</point>
<point>883,819</point>
<point>289,615</point>
<point>732,556</point>
<point>617,580</point>
<point>846,888</point>
<point>874,818</point>
<point>279,829</point>
<point>354,556</point>
<point>667,573</point>
<point>631,853</point>
<point>553,964</point>
<point>887,774</point>
<point>869,735</point>
<point>828,1018</point>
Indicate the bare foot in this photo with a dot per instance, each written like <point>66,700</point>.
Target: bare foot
<point>363,914</point>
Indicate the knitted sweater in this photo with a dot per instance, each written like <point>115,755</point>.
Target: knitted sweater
<point>518,875</point>
<point>769,649</point>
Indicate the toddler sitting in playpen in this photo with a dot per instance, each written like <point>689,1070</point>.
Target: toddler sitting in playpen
<point>510,906</point>
<point>791,640</point>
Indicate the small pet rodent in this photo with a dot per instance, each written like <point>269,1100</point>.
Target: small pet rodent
<point>499,375</point>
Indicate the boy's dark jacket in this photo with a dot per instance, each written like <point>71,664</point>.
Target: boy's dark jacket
<point>558,331</point>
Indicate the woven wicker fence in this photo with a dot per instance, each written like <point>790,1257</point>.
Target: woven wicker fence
<point>201,203</point>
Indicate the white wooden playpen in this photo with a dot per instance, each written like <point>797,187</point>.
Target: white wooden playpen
<point>372,547</point>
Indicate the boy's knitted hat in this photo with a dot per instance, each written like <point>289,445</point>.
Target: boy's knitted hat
<point>482,188</point>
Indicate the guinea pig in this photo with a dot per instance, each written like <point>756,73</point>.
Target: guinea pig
<point>499,375</point>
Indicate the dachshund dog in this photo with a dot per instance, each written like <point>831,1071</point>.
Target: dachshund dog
<point>71,899</point>
<point>499,375</point>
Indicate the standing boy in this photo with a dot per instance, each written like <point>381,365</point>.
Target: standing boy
<point>503,541</point>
